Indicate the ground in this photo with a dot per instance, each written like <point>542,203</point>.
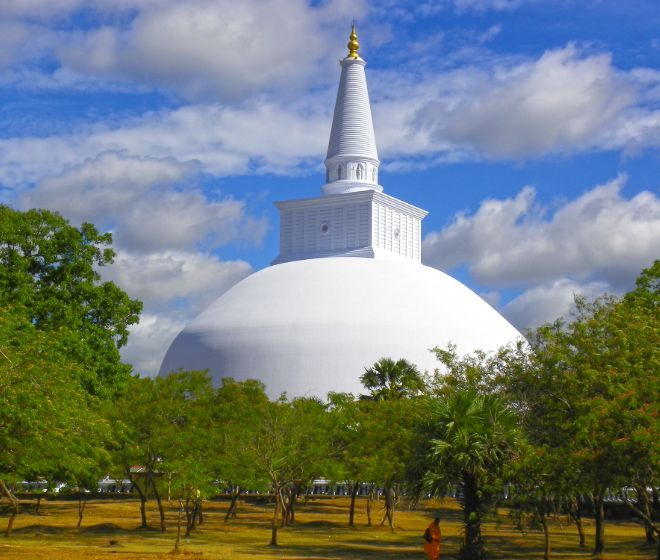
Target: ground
<point>320,533</point>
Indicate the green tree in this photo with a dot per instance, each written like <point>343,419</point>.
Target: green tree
<point>590,392</point>
<point>390,380</point>
<point>475,437</point>
<point>291,447</point>
<point>49,426</point>
<point>236,410</point>
<point>49,267</point>
<point>394,390</point>
<point>348,435</point>
<point>162,426</point>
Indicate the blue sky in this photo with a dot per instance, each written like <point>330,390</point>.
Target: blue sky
<point>529,129</point>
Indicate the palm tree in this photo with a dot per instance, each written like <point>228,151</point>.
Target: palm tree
<point>475,437</point>
<point>389,380</point>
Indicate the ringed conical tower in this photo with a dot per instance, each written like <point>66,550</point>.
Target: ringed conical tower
<point>352,161</point>
<point>348,286</point>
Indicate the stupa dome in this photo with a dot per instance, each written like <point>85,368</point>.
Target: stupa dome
<point>311,326</point>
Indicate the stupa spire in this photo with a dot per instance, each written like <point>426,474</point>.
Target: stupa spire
<point>352,160</point>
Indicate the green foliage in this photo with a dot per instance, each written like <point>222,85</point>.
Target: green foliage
<point>476,435</point>
<point>162,424</point>
<point>470,436</point>
<point>237,413</point>
<point>291,443</point>
<point>588,392</point>
<point>49,268</point>
<point>49,426</point>
<point>390,380</point>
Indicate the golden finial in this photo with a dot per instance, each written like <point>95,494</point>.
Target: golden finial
<point>353,44</point>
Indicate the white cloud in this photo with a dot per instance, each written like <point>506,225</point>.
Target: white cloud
<point>212,49</point>
<point>39,9</point>
<point>151,204</point>
<point>561,102</point>
<point>13,39</point>
<point>485,5</point>
<point>221,49</point>
<point>564,102</point>
<point>222,140</point>
<point>549,301</point>
<point>161,278</point>
<point>104,186</point>
<point>485,106</point>
<point>149,340</point>
<point>513,242</point>
<point>183,220</point>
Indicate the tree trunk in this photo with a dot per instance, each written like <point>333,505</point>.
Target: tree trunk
<point>546,533</point>
<point>370,498</point>
<point>648,519</point>
<point>351,514</point>
<point>37,509</point>
<point>161,510</point>
<point>193,517</point>
<point>390,499</point>
<point>177,543</point>
<point>575,511</point>
<point>276,515</point>
<point>190,516</point>
<point>82,503</point>
<point>143,499</point>
<point>644,505</point>
<point>291,507</point>
<point>233,506</point>
<point>200,513</point>
<point>15,505</point>
<point>599,514</point>
<point>473,546</point>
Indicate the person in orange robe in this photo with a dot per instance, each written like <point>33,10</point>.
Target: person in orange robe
<point>432,538</point>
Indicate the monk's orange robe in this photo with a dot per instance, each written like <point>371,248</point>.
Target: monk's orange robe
<point>432,549</point>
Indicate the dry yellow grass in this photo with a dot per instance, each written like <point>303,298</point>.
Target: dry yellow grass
<point>320,532</point>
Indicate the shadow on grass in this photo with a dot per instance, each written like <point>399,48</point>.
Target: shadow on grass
<point>40,529</point>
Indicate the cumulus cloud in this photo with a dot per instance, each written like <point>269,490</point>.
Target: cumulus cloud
<point>198,48</point>
<point>149,341</point>
<point>162,277</point>
<point>221,140</point>
<point>560,102</point>
<point>486,5</point>
<point>151,204</point>
<point>103,186</point>
<point>564,102</point>
<point>184,220</point>
<point>39,9</point>
<point>549,301</point>
<point>517,242</point>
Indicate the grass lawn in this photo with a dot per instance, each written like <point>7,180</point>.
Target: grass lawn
<point>320,532</point>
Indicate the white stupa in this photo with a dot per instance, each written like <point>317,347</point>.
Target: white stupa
<point>348,286</point>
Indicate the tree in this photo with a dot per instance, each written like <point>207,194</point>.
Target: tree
<point>475,437</point>
<point>49,268</point>
<point>390,380</point>
<point>49,426</point>
<point>236,409</point>
<point>162,426</point>
<point>291,448</point>
<point>394,389</point>
<point>348,435</point>
<point>590,392</point>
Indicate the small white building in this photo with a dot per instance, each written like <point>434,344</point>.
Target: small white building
<point>348,286</point>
